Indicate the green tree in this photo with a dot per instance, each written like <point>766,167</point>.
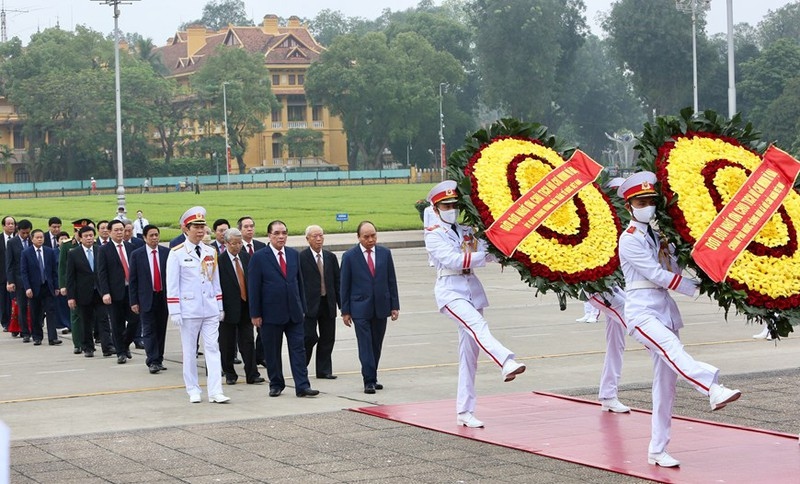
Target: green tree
<point>782,120</point>
<point>782,23</point>
<point>381,89</point>
<point>329,24</point>
<point>218,14</point>
<point>248,93</point>
<point>522,48</point>
<point>765,77</point>
<point>652,40</point>
<point>303,143</point>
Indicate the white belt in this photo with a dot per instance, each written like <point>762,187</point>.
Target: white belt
<point>643,284</point>
<point>453,272</point>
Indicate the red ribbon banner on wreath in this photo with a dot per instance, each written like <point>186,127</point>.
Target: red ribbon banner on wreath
<point>742,218</point>
<point>532,208</point>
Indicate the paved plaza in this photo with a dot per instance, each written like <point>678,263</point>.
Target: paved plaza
<point>75,419</point>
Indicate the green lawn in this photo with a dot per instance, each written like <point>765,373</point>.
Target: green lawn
<point>390,207</point>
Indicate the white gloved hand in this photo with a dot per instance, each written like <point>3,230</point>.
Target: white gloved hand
<point>176,320</point>
<point>222,315</point>
<point>490,257</point>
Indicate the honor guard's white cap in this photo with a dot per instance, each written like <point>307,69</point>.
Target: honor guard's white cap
<point>195,215</point>
<point>445,190</point>
<point>615,182</point>
<point>641,184</point>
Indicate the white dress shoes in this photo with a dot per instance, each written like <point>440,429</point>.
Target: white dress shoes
<point>613,405</point>
<point>663,459</point>
<point>468,420</point>
<point>511,369</point>
<point>764,334</point>
<point>582,320</point>
<point>194,398</point>
<point>591,320</point>
<point>719,396</point>
<point>220,398</point>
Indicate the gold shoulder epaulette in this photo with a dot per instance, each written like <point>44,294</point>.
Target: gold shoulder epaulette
<point>178,246</point>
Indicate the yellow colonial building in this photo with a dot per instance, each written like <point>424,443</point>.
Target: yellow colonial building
<point>288,51</point>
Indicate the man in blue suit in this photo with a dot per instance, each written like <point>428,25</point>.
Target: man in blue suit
<point>369,295</point>
<point>39,274</point>
<point>277,306</point>
<point>148,297</point>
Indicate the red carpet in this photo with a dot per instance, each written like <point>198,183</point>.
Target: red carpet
<point>577,431</point>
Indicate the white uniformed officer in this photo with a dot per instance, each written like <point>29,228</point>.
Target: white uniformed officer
<point>650,269</point>
<point>194,301</point>
<point>612,304</point>
<point>454,251</point>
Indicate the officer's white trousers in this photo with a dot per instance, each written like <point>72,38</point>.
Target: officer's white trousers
<point>615,342</point>
<point>208,328</point>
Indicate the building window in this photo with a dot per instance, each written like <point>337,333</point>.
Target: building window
<point>297,113</point>
<point>276,116</point>
<point>276,79</point>
<point>277,152</point>
<point>22,176</point>
<point>316,112</point>
<point>289,42</point>
<point>292,80</point>
<point>301,79</point>
<point>19,141</point>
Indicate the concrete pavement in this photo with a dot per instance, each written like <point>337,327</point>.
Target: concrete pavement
<point>91,420</point>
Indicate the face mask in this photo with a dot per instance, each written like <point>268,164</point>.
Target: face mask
<point>645,214</point>
<point>449,216</point>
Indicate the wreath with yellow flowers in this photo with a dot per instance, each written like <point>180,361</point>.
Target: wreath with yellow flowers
<point>575,248</point>
<point>701,160</point>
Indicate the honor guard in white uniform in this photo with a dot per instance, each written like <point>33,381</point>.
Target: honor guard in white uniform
<point>650,270</point>
<point>612,305</point>
<point>194,302</point>
<point>455,251</point>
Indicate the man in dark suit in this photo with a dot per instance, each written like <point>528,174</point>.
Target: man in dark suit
<point>369,295</point>
<point>9,226</point>
<point>148,296</point>
<point>320,270</point>
<point>237,326</point>
<point>83,293</point>
<point>128,236</point>
<point>220,226</point>
<point>277,305</point>
<point>113,274</point>
<point>39,275</point>
<point>51,236</point>
<point>247,226</point>
<point>13,278</point>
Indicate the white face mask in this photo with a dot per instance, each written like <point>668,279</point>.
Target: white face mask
<point>449,216</point>
<point>644,214</point>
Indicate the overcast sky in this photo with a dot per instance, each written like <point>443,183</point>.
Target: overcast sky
<point>159,19</point>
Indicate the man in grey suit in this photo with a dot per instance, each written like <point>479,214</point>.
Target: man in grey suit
<point>320,269</point>
<point>369,295</point>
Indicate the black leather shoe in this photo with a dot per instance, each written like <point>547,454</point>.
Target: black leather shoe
<point>89,354</point>
<point>15,334</point>
<point>26,339</point>
<point>109,353</point>
<point>128,355</point>
<point>153,368</point>
<point>66,331</point>
<point>237,361</point>
<point>369,389</point>
<point>162,367</point>
<point>55,342</point>
<point>308,392</point>
<point>379,386</point>
<point>230,381</point>
<point>327,377</point>
<point>139,346</point>
<point>262,363</point>
<point>122,359</point>
<point>256,380</point>
<point>37,342</point>
<point>77,351</point>
<point>274,392</point>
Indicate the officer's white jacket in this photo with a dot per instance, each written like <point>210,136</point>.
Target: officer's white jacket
<point>193,289</point>
<point>451,254</point>
<point>650,270</point>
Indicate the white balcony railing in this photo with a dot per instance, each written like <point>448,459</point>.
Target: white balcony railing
<point>318,124</point>
<point>277,125</point>
<point>297,124</point>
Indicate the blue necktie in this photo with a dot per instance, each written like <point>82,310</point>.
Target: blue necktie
<point>90,257</point>
<point>41,263</point>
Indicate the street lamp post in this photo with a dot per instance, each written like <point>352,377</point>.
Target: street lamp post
<point>227,146</point>
<point>120,179</point>
<point>731,68</point>
<point>442,148</point>
<point>692,6</point>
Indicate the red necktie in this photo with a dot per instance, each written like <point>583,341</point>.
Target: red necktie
<point>370,264</point>
<point>156,274</point>
<point>123,260</point>
<point>250,249</point>
<point>282,262</point>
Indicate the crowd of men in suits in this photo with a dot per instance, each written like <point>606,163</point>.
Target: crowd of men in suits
<point>113,283</point>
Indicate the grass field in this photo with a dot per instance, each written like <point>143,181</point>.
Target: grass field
<point>390,207</point>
